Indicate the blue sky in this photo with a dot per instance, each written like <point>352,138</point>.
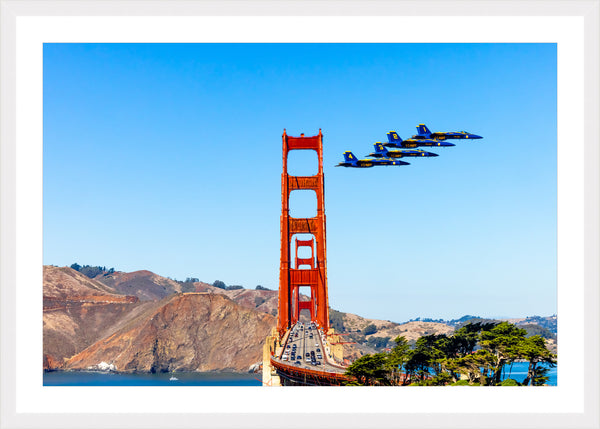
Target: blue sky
<point>167,157</point>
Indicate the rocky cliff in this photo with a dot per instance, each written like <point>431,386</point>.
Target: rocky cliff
<point>78,311</point>
<point>184,332</point>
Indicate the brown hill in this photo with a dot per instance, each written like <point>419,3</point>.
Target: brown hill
<point>184,332</point>
<point>373,335</point>
<point>412,330</point>
<point>65,283</point>
<point>78,311</point>
<point>144,284</point>
<point>148,286</point>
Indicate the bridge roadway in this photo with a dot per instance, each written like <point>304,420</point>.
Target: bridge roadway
<point>306,350</point>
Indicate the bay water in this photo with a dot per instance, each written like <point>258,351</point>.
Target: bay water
<point>91,378</point>
<point>518,372</point>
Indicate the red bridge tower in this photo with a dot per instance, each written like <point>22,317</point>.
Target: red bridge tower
<point>308,272</point>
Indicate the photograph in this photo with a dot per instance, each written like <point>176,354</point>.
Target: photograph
<point>187,189</point>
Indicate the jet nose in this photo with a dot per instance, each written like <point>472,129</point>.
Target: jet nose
<point>433,154</point>
<point>475,136</point>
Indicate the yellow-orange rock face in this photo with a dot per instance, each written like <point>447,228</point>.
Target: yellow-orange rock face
<point>184,332</point>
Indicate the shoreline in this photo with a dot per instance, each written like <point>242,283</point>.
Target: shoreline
<point>99,371</point>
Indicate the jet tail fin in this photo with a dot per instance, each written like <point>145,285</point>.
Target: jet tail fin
<point>423,130</point>
<point>349,156</point>
<point>379,148</point>
<point>393,137</point>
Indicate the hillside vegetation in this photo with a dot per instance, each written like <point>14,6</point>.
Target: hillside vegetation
<point>475,354</point>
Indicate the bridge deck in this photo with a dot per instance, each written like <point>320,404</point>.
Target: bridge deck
<point>306,355</point>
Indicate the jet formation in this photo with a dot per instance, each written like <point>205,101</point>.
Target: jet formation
<point>407,148</point>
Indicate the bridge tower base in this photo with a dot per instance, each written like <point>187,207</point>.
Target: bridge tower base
<point>272,346</point>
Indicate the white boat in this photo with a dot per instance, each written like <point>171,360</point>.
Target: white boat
<point>173,378</point>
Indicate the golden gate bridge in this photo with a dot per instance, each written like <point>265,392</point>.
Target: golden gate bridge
<point>303,352</point>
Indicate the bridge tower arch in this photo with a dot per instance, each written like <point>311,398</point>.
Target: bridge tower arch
<point>311,272</point>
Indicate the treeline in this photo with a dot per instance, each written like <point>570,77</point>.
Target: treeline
<point>476,354</point>
<point>548,323</point>
<point>452,322</point>
<point>92,271</point>
<point>188,285</point>
<point>221,285</point>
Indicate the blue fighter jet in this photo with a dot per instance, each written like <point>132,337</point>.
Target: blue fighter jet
<point>351,161</point>
<point>382,152</point>
<point>424,133</point>
<point>395,141</point>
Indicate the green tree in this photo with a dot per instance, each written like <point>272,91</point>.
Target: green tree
<point>220,284</point>
<point>465,338</point>
<point>427,358</point>
<point>370,329</point>
<point>459,347</point>
<point>369,369</point>
<point>91,271</point>
<point>535,351</point>
<point>475,366</point>
<point>396,359</point>
<point>378,342</point>
<point>503,341</point>
<point>336,320</point>
<point>188,287</point>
